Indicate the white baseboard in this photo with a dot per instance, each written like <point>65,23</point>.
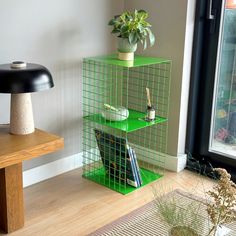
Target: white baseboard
<point>168,162</point>
<point>176,164</point>
<point>47,171</point>
<point>52,169</point>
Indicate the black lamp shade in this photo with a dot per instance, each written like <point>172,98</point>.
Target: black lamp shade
<point>32,78</point>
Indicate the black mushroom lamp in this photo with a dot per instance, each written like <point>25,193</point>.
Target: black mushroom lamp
<point>20,79</point>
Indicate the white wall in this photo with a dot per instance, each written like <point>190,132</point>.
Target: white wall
<point>172,22</point>
<point>57,34</point>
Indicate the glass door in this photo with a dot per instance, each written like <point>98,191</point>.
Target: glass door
<point>223,122</point>
<point>211,131</point>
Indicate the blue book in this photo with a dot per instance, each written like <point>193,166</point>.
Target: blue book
<point>133,166</point>
<point>137,167</point>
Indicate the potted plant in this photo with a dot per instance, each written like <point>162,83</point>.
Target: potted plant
<point>182,221</point>
<point>188,220</point>
<point>131,28</point>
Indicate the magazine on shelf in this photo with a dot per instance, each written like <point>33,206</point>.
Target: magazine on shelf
<point>137,167</point>
<point>133,166</point>
<point>117,158</point>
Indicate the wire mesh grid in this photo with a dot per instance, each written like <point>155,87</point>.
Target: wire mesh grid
<point>121,149</point>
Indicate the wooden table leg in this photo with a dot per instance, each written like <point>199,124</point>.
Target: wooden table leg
<point>11,198</point>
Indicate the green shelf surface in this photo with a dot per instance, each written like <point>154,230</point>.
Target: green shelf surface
<point>99,176</point>
<point>134,122</point>
<point>138,60</point>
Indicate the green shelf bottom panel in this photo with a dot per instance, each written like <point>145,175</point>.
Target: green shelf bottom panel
<point>134,122</point>
<point>99,176</point>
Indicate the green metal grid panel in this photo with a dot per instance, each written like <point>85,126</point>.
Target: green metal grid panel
<point>107,80</point>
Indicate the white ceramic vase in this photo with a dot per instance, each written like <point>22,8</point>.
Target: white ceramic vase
<point>222,230</point>
<point>125,49</point>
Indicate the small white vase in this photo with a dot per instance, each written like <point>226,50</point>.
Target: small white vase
<point>222,230</point>
<point>125,49</point>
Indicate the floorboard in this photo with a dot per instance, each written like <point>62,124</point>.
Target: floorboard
<point>71,205</point>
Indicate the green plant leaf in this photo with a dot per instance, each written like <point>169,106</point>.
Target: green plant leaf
<point>140,27</point>
<point>115,31</point>
<point>151,37</point>
<point>124,28</point>
<point>144,34</point>
<point>124,31</point>
<point>144,44</point>
<point>136,38</point>
<point>142,14</point>
<point>111,22</point>
<point>131,37</point>
<point>141,11</point>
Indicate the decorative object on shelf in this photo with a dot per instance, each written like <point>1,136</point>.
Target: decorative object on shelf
<point>131,28</point>
<point>108,81</point>
<point>115,113</point>
<point>20,79</point>
<point>151,113</point>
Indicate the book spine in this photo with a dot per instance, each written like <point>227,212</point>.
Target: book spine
<point>137,167</point>
<point>134,183</point>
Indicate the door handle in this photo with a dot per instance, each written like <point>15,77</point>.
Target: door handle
<point>210,15</point>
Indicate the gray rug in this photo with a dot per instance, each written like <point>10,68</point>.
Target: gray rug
<point>145,221</point>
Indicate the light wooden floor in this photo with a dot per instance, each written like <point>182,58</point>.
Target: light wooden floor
<point>69,205</point>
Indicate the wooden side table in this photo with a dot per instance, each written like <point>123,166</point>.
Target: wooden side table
<point>15,149</point>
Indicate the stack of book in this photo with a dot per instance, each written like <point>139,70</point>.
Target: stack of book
<point>119,159</point>
<point>134,178</point>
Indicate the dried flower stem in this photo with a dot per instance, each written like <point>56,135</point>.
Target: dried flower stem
<point>221,210</point>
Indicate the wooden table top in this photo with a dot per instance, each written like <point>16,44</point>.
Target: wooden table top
<point>17,148</point>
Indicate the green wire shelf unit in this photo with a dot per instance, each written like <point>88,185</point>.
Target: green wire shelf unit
<point>107,144</point>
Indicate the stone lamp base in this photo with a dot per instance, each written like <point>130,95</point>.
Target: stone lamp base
<point>21,120</point>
